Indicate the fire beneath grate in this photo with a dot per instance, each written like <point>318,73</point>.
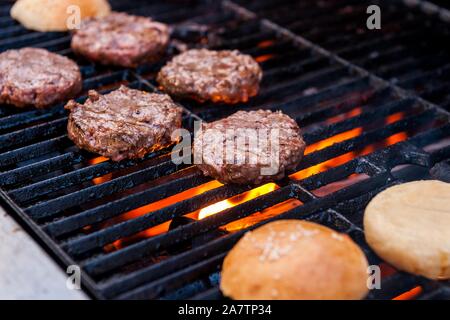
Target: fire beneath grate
<point>152,229</point>
<point>410,49</point>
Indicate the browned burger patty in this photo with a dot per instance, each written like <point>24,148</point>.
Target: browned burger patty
<point>125,123</point>
<point>121,39</point>
<point>220,76</point>
<point>32,76</point>
<point>229,131</point>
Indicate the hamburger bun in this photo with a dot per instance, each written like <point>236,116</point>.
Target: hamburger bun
<point>408,225</point>
<point>52,15</point>
<point>293,260</point>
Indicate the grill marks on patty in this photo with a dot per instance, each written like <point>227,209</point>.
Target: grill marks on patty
<point>219,76</point>
<point>228,130</point>
<point>125,123</point>
<point>121,39</point>
<point>32,76</point>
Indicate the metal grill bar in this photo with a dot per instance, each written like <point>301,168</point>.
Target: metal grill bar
<point>39,168</point>
<point>419,44</point>
<point>52,207</point>
<point>27,118</point>
<point>27,135</point>
<point>173,281</point>
<point>41,188</point>
<point>358,121</point>
<point>115,286</point>
<point>131,202</point>
<point>34,151</point>
<point>49,182</point>
<point>302,211</point>
<point>144,248</point>
<point>100,238</point>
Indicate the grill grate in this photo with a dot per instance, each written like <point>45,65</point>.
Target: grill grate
<point>99,214</point>
<point>410,49</point>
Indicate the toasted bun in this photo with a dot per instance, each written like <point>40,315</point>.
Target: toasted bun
<point>408,225</point>
<point>294,259</point>
<point>52,15</point>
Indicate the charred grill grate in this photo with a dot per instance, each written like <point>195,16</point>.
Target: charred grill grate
<point>363,134</point>
<point>410,50</point>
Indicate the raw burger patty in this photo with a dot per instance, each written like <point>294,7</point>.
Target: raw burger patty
<point>121,39</point>
<point>227,132</point>
<point>218,76</point>
<point>125,123</point>
<point>32,76</point>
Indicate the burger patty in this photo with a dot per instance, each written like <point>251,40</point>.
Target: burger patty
<point>121,39</point>
<point>219,76</point>
<point>230,137</point>
<point>32,76</point>
<point>125,123</point>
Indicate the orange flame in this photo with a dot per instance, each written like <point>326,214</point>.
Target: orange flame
<point>267,188</point>
<point>207,211</point>
<point>399,136</point>
<point>265,43</point>
<point>409,295</point>
<point>264,57</point>
<point>199,214</point>
<point>328,142</point>
<point>236,200</point>
<point>346,136</point>
<point>387,270</point>
<point>164,227</point>
<point>253,218</point>
<point>332,162</point>
<point>343,116</point>
<point>104,178</point>
<point>171,200</point>
<point>261,216</point>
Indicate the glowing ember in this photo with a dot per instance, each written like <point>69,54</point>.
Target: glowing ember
<point>328,142</point>
<point>261,216</point>
<point>265,43</point>
<point>171,200</point>
<point>399,136</point>
<point>335,139</point>
<point>338,185</point>
<point>265,189</point>
<point>343,116</point>
<point>205,212</point>
<point>386,269</point>
<point>324,166</point>
<point>335,162</point>
<point>264,57</point>
<point>409,295</point>
<point>104,178</point>
<point>98,160</point>
<point>164,227</point>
